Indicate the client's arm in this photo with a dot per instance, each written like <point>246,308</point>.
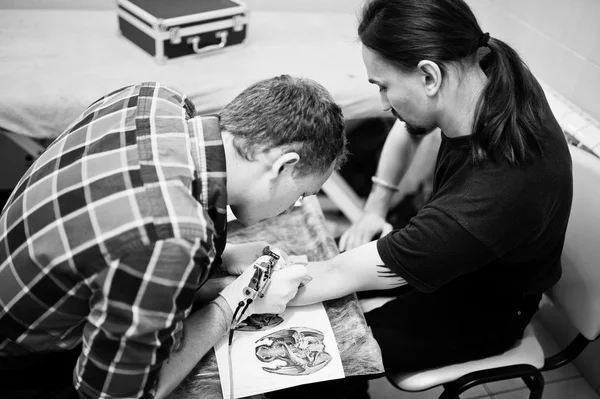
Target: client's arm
<point>359,269</point>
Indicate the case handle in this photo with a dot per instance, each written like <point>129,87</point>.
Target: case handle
<point>195,41</point>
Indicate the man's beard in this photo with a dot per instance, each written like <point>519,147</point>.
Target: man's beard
<point>411,129</point>
<point>415,130</point>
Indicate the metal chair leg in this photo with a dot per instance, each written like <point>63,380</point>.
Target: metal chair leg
<point>532,377</point>
<point>535,383</point>
<point>449,393</point>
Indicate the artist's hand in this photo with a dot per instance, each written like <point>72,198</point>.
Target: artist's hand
<point>369,227</point>
<point>282,288</point>
<point>237,257</point>
<point>284,258</point>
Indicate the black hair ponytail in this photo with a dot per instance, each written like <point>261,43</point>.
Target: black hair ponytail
<point>508,119</point>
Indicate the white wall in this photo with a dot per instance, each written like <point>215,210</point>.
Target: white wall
<point>558,39</point>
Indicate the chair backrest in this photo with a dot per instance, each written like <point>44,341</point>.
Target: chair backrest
<point>578,291</point>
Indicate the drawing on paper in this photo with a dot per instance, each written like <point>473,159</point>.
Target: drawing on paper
<point>259,322</point>
<point>301,349</point>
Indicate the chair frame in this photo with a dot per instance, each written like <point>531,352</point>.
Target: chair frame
<point>531,376</point>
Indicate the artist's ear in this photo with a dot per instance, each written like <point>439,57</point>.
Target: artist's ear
<point>287,159</point>
<point>431,77</point>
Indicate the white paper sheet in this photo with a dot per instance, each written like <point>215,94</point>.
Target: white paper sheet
<point>314,355</point>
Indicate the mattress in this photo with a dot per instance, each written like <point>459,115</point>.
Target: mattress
<point>54,63</point>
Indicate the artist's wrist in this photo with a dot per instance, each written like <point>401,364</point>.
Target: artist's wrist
<point>225,309</point>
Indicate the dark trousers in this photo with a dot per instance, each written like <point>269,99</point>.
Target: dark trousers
<point>416,331</point>
<point>39,376</point>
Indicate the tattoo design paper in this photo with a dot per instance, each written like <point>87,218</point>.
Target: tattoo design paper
<point>300,350</point>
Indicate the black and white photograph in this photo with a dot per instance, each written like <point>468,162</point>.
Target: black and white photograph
<point>299,199</point>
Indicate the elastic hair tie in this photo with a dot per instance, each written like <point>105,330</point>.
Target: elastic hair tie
<point>484,39</point>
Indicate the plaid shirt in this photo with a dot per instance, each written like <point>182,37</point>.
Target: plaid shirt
<point>108,235</point>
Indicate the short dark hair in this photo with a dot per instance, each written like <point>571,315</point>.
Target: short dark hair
<point>296,113</point>
<point>509,115</point>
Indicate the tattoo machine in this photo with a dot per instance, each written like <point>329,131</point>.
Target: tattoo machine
<point>263,270</point>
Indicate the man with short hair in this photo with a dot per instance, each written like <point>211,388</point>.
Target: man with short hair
<point>108,236</point>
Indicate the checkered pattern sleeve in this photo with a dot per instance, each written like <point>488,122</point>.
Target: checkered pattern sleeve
<point>107,236</point>
<point>137,307</point>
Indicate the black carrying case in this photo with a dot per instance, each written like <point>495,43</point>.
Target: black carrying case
<point>168,29</point>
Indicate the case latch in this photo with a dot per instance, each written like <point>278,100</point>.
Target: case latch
<point>174,37</point>
<point>238,23</point>
<point>161,27</point>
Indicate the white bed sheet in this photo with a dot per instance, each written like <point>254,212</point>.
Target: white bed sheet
<point>54,63</point>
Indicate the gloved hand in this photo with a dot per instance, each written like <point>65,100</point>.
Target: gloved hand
<point>239,257</point>
<point>281,289</point>
<point>284,258</point>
